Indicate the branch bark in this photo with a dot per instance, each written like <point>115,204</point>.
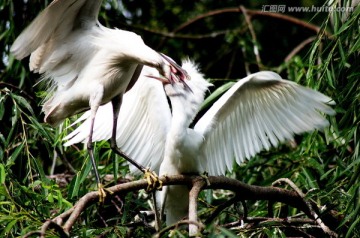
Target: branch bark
<point>193,197</point>
<point>243,191</point>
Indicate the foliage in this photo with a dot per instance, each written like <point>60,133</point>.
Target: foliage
<point>38,182</point>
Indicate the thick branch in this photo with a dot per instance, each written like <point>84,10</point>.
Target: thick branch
<point>252,192</point>
<point>242,191</point>
<point>193,197</point>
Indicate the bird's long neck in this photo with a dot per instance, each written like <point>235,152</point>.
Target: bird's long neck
<point>178,156</point>
<point>183,111</point>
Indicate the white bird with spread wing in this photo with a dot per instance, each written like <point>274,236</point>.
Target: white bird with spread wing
<point>257,112</point>
<point>86,63</point>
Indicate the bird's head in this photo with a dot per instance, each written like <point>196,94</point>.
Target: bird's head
<point>192,94</point>
<point>172,72</point>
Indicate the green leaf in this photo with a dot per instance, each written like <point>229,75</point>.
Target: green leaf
<point>353,226</point>
<point>40,170</point>
<point>2,110</point>
<point>8,228</point>
<point>227,233</point>
<point>216,94</point>
<point>15,154</point>
<point>74,186</point>
<point>2,174</point>
<point>309,178</point>
<point>22,102</point>
<point>50,198</point>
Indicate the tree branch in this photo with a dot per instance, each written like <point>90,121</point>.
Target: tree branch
<point>299,47</point>
<point>252,13</point>
<point>197,183</point>
<point>253,36</point>
<point>310,206</point>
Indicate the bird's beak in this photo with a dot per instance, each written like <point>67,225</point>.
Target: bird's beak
<point>167,82</point>
<point>162,80</point>
<point>176,69</point>
<point>176,74</point>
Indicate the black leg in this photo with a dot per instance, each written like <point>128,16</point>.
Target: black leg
<point>116,103</point>
<point>151,177</point>
<point>91,151</point>
<point>101,191</point>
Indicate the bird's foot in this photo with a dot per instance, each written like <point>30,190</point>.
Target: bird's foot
<point>153,180</point>
<point>102,193</point>
<point>205,177</point>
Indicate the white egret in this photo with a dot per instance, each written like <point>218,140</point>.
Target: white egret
<point>86,63</point>
<point>256,113</point>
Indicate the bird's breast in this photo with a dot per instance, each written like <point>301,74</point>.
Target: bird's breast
<point>183,154</point>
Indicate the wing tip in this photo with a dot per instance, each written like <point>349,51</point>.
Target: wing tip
<point>17,51</point>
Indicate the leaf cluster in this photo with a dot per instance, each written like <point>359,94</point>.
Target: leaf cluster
<point>39,178</point>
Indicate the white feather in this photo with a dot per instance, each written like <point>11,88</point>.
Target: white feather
<point>85,62</point>
<point>145,104</point>
<point>259,111</point>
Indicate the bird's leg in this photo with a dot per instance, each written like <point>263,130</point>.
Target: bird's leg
<point>157,213</point>
<point>152,179</point>
<point>101,191</point>
<point>150,176</point>
<point>205,176</point>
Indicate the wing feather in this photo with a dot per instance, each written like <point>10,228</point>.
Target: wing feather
<point>259,111</point>
<point>143,123</point>
<point>58,18</point>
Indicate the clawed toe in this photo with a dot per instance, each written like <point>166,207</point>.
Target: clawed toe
<point>102,193</point>
<point>153,180</point>
<point>206,178</point>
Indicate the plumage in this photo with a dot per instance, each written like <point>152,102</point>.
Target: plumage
<point>86,64</point>
<point>143,105</point>
<point>83,60</point>
<point>255,114</point>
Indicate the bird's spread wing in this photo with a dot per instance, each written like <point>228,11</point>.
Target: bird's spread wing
<point>143,123</point>
<point>258,112</point>
<point>57,19</point>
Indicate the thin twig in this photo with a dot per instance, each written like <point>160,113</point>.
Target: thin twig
<point>231,64</point>
<point>252,13</point>
<point>291,184</point>
<point>253,36</point>
<point>51,224</point>
<point>186,36</point>
<point>259,220</point>
<point>299,47</point>
<point>32,233</point>
<point>4,84</point>
<point>79,207</point>
<point>65,161</point>
<point>324,227</point>
<point>220,208</point>
<point>178,224</point>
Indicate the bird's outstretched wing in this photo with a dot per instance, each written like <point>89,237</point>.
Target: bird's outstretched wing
<point>143,122</point>
<point>58,19</point>
<point>256,113</point>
